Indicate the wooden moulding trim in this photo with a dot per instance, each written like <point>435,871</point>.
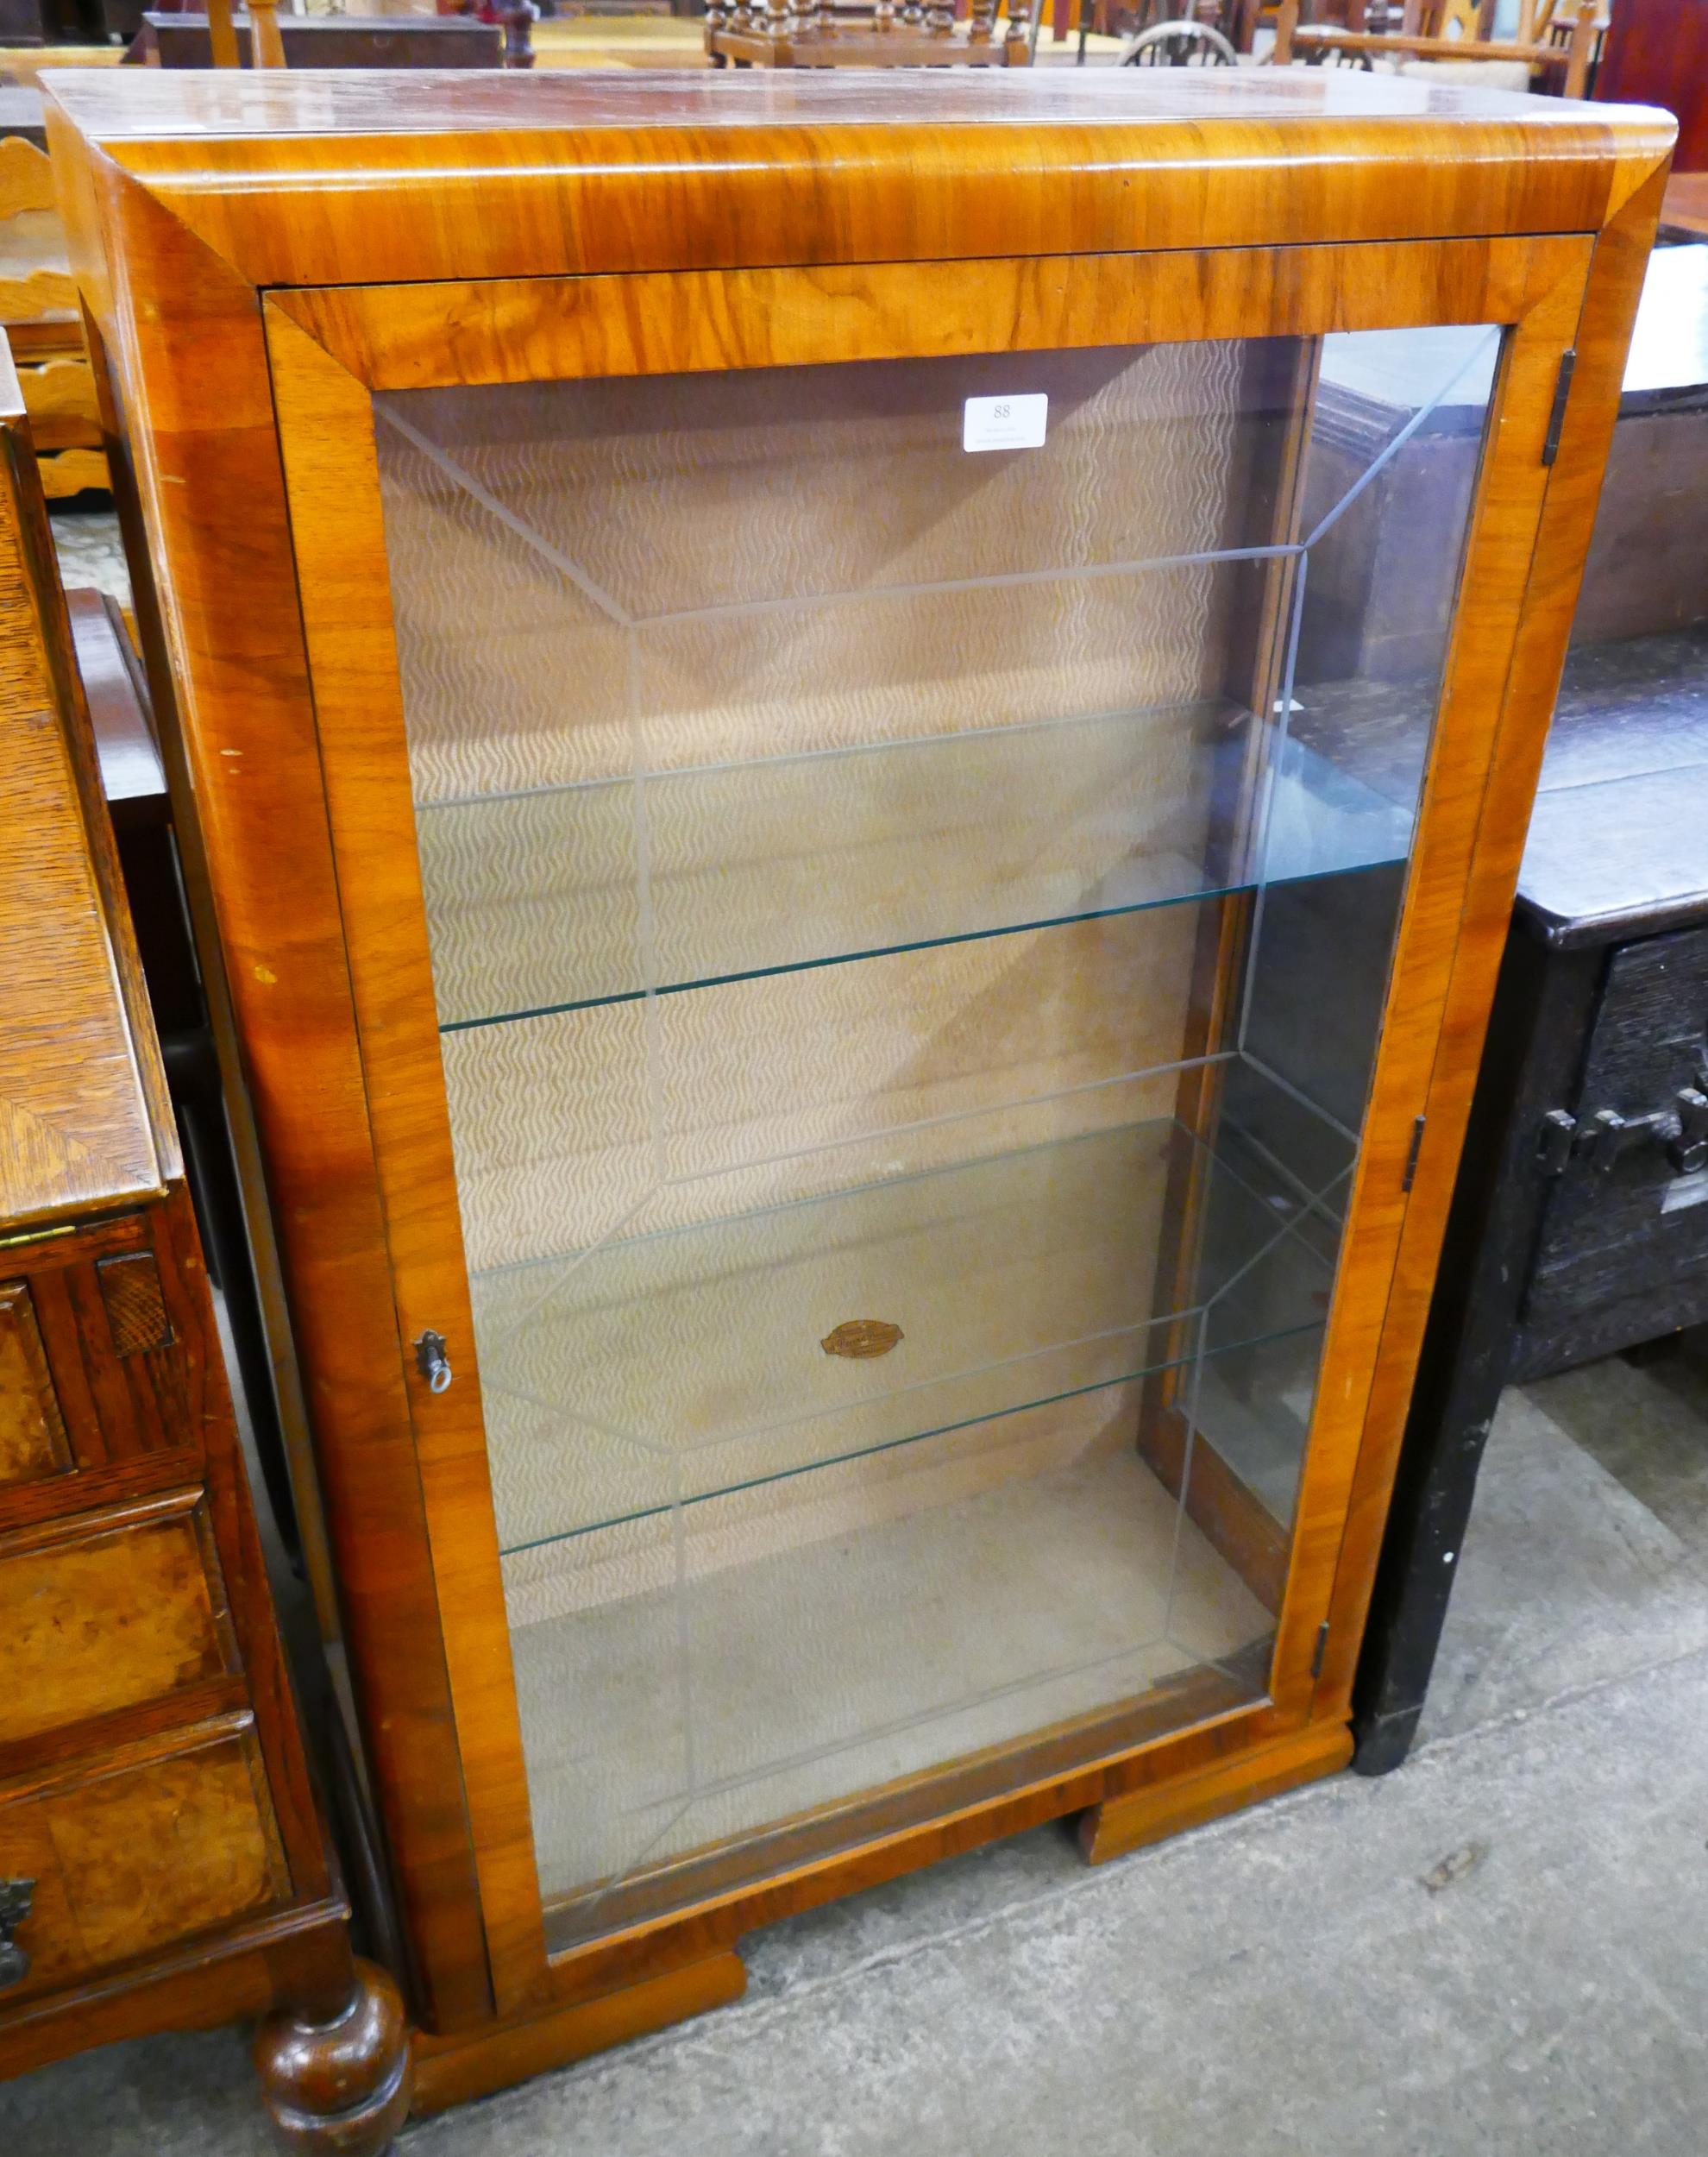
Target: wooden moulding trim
<point>689,1935</point>
<point>141,1751</point>
<point>1504,517</point>
<point>539,329</point>
<point>137,1476</point>
<point>449,2071</point>
<point>518,202</point>
<point>140,1164</point>
<point>534,329</point>
<point>326,431</point>
<point>1120,1824</point>
<point>130,1511</point>
<point>202,479</point>
<point>24,1249</point>
<point>199,1984</point>
<point>1600,330</point>
<point>969,1788</point>
<point>84,1748</point>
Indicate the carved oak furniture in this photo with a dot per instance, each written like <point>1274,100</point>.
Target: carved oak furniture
<point>1434,32</point>
<point>1580,1223</point>
<point>755,34</point>
<point>328,41</point>
<point>858,1109</point>
<point>39,317</point>
<point>161,1863</point>
<point>1579,1226</point>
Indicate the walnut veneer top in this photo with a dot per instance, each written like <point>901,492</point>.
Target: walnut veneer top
<point>424,174</point>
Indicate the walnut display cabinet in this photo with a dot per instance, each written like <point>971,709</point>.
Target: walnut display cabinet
<point>857,751</point>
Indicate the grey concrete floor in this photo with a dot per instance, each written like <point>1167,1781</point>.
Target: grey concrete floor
<point>89,550</point>
<point>1501,1948</point>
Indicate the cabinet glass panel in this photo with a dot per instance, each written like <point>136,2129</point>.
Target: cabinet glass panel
<point>910,926</point>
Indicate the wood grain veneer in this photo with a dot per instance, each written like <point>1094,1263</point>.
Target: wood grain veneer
<point>32,1430</point>
<point>102,1618</point>
<point>156,1819</point>
<point>410,236</point>
<point>137,1858</point>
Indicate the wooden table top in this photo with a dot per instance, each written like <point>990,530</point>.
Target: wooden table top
<point>83,1119</point>
<point>1667,364</point>
<point>1619,836</point>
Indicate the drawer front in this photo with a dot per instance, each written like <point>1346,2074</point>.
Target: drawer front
<point>1638,1226</point>
<point>91,1622</point>
<point>32,1442</point>
<point>100,1361</point>
<point>134,1859</point>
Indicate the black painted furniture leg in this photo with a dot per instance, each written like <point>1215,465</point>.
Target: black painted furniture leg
<point>1537,1021</point>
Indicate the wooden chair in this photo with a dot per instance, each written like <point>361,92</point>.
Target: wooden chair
<point>810,33</point>
<point>268,46</point>
<point>39,314</point>
<point>173,38</point>
<point>1559,44</point>
<point>1229,21</point>
<point>1182,44</point>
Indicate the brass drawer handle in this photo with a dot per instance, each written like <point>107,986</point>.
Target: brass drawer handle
<point>15,1896</point>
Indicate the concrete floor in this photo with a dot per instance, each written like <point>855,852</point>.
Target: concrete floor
<point>89,548</point>
<point>1498,1949</point>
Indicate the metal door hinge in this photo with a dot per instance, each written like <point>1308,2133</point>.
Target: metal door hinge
<point>1556,419</point>
<point>430,1360</point>
<point>1412,1152</point>
<point>1320,1650</point>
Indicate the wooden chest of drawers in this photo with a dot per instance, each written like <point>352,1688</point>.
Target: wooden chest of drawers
<point>161,1861</point>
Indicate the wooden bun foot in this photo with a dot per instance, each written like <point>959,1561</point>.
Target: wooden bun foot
<point>341,2087</point>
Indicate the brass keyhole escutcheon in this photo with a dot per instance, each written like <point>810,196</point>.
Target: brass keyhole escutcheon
<point>861,1338</point>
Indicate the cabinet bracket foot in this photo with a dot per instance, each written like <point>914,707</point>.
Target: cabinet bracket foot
<point>1120,1824</point>
<point>466,2064</point>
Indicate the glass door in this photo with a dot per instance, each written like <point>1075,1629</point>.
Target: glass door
<point>912,852</point>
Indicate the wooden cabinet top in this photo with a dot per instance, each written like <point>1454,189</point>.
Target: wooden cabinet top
<point>354,178</point>
<point>83,1121</point>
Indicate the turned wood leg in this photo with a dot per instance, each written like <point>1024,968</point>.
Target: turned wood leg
<point>339,2087</point>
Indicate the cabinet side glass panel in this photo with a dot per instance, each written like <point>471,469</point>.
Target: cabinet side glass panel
<point>909,926</point>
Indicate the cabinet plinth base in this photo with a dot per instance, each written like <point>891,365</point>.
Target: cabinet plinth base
<point>1120,1824</point>
<point>341,2087</point>
<point>450,2070</point>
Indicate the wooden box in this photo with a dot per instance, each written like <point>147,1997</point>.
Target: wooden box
<point>859,1002</point>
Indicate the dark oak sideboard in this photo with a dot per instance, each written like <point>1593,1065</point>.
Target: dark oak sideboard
<point>1580,1224</point>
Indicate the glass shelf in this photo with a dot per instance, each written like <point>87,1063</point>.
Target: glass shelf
<point>536,902</point>
<point>800,1673</point>
<point>927,774</point>
<point>672,1368</point>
